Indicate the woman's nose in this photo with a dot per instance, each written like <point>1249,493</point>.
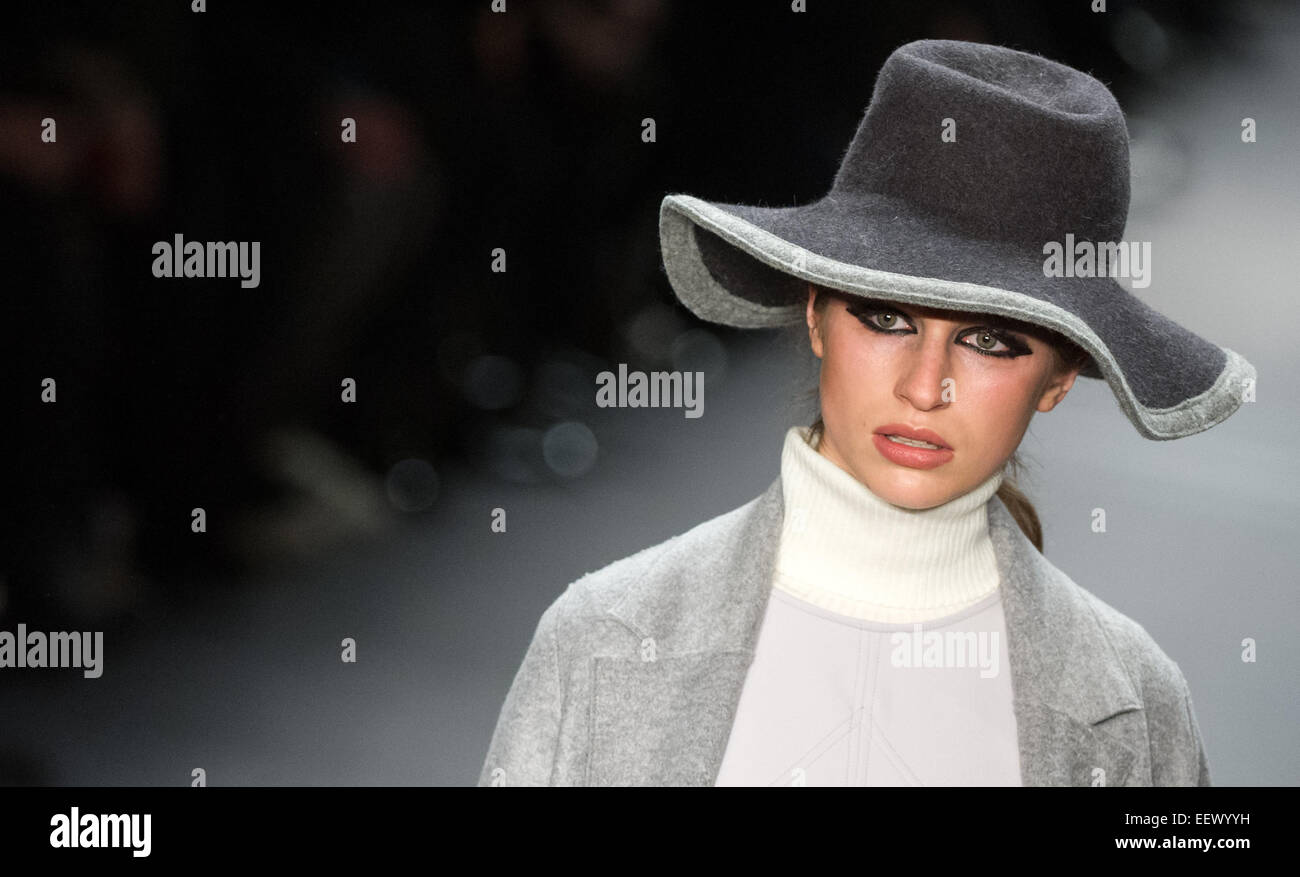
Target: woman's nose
<point>926,379</point>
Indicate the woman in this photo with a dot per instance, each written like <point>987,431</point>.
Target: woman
<point>882,614</point>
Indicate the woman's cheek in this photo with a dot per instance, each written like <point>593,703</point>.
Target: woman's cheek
<point>999,410</point>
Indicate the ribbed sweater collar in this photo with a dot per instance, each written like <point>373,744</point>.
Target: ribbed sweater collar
<point>849,551</point>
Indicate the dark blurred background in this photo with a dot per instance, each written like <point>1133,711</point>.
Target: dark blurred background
<point>475,390</point>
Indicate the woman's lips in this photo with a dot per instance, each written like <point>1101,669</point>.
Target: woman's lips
<point>913,432</point>
<point>906,455</point>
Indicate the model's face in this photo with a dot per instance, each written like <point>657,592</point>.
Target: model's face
<point>889,364</point>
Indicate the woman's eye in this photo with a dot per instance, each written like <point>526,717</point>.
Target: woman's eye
<point>985,341</point>
<point>882,319</point>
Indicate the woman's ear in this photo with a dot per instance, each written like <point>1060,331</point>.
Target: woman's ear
<point>814,328</point>
<point>1056,388</point>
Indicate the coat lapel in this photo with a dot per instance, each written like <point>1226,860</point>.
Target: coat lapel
<point>1073,699</point>
<point>663,716</point>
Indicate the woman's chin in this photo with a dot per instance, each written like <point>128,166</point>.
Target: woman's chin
<point>915,489</point>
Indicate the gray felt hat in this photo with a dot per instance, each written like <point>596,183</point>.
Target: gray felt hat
<point>970,160</point>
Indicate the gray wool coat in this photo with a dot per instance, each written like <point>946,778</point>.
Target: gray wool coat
<point>634,672</point>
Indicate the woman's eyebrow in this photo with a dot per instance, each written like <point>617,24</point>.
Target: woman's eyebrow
<point>993,321</point>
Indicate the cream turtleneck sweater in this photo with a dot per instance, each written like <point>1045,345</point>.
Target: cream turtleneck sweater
<point>834,694</point>
<point>845,549</point>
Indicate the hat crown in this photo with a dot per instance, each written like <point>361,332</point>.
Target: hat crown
<point>1034,149</point>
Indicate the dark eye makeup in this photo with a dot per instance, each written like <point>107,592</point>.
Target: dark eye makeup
<point>866,310</point>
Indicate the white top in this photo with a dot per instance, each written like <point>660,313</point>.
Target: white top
<point>847,550</point>
<point>908,683</point>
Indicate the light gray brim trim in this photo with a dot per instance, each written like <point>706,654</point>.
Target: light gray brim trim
<point>707,299</point>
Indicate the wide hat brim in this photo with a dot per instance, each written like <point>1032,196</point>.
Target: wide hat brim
<point>749,267</point>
